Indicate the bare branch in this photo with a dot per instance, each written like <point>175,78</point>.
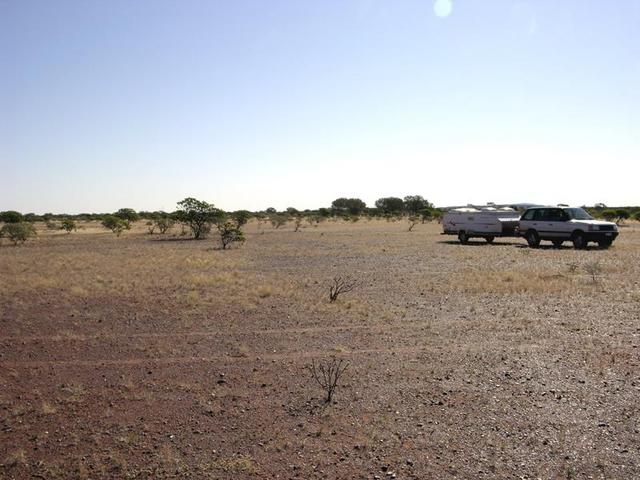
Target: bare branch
<point>341,285</point>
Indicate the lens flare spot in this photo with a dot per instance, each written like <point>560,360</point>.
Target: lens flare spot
<point>443,8</point>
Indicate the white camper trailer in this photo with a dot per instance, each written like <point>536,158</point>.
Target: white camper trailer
<point>482,222</point>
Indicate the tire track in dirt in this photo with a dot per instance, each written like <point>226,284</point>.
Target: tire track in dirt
<point>211,359</point>
<point>206,334</point>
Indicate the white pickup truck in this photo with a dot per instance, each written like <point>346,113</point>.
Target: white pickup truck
<point>486,222</point>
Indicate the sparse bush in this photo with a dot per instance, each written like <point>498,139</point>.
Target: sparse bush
<point>277,220</point>
<point>164,224</point>
<point>413,221</point>
<point>18,232</point>
<point>115,224</point>
<point>51,225</point>
<point>229,233</point>
<point>68,225</point>
<point>327,374</point>
<point>594,269</point>
<point>151,227</point>
<point>198,216</point>
<point>340,285</point>
<point>297,221</point>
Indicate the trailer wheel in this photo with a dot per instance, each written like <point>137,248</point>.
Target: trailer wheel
<point>489,239</point>
<point>463,237</point>
<point>557,243</point>
<point>533,239</point>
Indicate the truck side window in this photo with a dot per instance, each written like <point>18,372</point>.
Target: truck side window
<point>528,215</point>
<point>555,215</point>
<point>541,214</point>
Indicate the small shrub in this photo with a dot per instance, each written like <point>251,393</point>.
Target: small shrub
<point>297,222</point>
<point>68,225</point>
<point>230,233</point>
<point>115,224</point>
<point>18,232</point>
<point>413,221</point>
<point>341,285</point>
<point>327,374</point>
<point>572,267</point>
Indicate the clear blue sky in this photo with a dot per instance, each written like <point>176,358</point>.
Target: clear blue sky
<point>252,104</point>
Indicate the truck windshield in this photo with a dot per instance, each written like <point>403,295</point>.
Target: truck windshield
<point>578,214</point>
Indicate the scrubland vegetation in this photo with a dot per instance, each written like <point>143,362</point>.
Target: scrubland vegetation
<point>135,352</point>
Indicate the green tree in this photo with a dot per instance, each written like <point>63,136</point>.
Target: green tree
<point>622,214</point>
<point>426,214</point>
<point>198,216</point>
<point>241,217</point>
<point>414,203</point>
<point>324,212</point>
<point>18,232</point>
<point>163,224</point>
<point>390,205</point>
<point>351,206</point>
<point>229,233</point>
<point>11,216</point>
<point>127,214</point>
<point>116,224</point>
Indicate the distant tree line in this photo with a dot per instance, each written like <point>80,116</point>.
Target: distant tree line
<point>198,218</point>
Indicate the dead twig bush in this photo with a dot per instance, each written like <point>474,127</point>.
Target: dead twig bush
<point>594,269</point>
<point>341,285</point>
<point>327,374</point>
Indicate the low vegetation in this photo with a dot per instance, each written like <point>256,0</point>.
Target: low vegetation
<point>18,232</point>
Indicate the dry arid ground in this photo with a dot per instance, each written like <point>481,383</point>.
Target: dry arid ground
<point>150,356</point>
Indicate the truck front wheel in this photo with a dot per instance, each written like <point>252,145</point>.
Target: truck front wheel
<point>463,237</point>
<point>579,241</point>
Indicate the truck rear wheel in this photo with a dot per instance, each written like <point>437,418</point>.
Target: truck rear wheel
<point>463,237</point>
<point>533,239</point>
